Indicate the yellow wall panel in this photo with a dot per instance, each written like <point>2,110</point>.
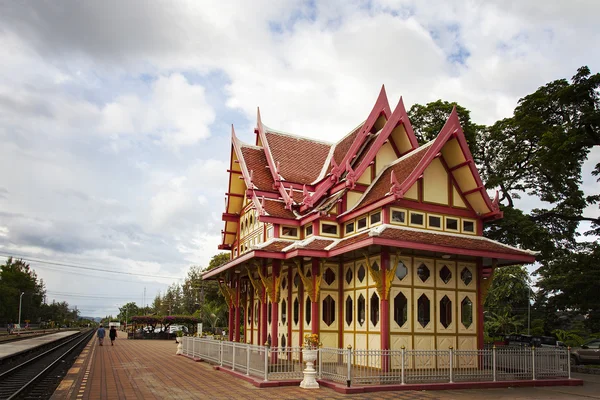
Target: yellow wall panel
<point>349,327</point>
<point>400,138</point>
<point>435,183</point>
<point>467,360</point>
<point>457,201</point>
<point>452,153</point>
<point>439,295</point>
<point>472,285</point>
<point>407,326</point>
<point>462,328</point>
<point>439,283</point>
<point>418,292</point>
<point>412,193</point>
<point>407,280</point>
<point>396,343</point>
<point>365,178</point>
<point>352,198</point>
<point>348,340</point>
<point>444,343</point>
<point>476,201</point>
<point>464,178</point>
<point>385,156</point>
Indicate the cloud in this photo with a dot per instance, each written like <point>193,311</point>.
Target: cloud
<point>114,116</point>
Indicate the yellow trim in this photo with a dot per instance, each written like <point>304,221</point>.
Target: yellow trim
<point>441,217</point>
<point>392,209</point>
<point>380,218</point>
<point>410,214</point>
<point>306,228</point>
<point>321,223</point>
<point>462,226</point>
<point>366,217</point>
<point>446,218</point>
<point>281,227</point>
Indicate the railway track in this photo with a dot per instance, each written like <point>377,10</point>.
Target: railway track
<point>37,377</point>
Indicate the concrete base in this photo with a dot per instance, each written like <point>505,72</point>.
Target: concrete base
<point>310,380</point>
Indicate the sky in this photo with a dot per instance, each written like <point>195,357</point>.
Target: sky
<point>115,116</point>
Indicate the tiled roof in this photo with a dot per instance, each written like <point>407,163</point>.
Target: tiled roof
<point>277,209</point>
<point>317,244</point>
<point>350,240</point>
<point>342,147</point>
<point>300,159</point>
<point>275,245</point>
<point>450,240</point>
<point>256,161</point>
<point>402,170</point>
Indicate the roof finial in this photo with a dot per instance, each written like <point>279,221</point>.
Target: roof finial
<point>350,176</point>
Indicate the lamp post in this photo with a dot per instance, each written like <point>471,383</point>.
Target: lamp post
<point>20,303</point>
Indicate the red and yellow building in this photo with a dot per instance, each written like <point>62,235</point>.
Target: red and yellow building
<point>372,241</point>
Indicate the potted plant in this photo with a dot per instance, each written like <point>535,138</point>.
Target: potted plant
<point>310,353</point>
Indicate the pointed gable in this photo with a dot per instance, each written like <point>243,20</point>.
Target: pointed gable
<point>447,154</point>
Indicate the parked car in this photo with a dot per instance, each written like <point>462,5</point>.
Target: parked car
<point>175,328</point>
<point>588,353</point>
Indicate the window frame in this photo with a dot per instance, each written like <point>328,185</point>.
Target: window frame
<point>441,217</point>
<point>331,223</point>
<point>306,228</point>
<point>462,226</point>
<point>371,216</point>
<point>366,218</point>
<point>458,224</point>
<point>403,210</point>
<point>282,227</point>
<point>411,213</point>
<point>351,223</point>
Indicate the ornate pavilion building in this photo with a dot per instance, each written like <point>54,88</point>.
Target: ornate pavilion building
<point>372,241</point>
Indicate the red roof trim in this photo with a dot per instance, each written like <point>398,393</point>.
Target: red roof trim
<point>399,116</point>
<point>381,106</point>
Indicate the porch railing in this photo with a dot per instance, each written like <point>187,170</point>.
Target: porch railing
<point>365,367</point>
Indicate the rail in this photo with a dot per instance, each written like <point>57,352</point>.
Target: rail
<point>23,377</point>
<point>380,367</point>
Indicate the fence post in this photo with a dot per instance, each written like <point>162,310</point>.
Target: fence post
<point>402,366</point>
<point>533,362</point>
<point>569,360</point>
<point>247,359</point>
<point>494,363</point>
<point>349,363</point>
<point>233,356</point>
<point>451,362</point>
<point>266,361</point>
<point>221,353</point>
<point>194,348</point>
<point>320,355</point>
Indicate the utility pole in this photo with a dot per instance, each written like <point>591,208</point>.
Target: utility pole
<point>20,303</point>
<point>529,310</point>
<point>144,302</point>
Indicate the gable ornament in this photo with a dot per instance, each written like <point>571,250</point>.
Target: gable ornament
<point>383,283</point>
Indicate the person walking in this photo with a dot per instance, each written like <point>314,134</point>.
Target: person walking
<point>113,335</point>
<point>101,333</point>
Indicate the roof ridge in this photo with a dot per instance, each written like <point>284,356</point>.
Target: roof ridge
<point>251,146</point>
<point>376,231</point>
<point>295,136</point>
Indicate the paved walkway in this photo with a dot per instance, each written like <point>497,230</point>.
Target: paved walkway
<point>149,369</point>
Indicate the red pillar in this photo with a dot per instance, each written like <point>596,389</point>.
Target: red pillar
<point>275,306</point>
<point>250,312</point>
<point>340,309</point>
<point>290,285</point>
<point>237,309</point>
<point>479,304</point>
<point>315,321</point>
<point>384,308</point>
<point>301,311</point>
<point>263,312</point>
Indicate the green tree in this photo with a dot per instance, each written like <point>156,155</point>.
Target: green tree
<point>17,277</point>
<point>509,291</point>
<point>218,260</point>
<point>127,311</point>
<point>502,323</point>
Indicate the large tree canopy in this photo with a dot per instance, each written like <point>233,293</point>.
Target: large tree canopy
<point>539,152</point>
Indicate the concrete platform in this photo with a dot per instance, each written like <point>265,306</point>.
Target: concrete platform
<point>149,369</point>
<point>12,348</point>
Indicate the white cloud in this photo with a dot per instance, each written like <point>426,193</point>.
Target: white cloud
<point>115,142</point>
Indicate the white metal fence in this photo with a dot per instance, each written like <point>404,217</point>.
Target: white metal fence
<point>364,367</point>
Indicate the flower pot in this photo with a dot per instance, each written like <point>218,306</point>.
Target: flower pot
<point>310,374</point>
